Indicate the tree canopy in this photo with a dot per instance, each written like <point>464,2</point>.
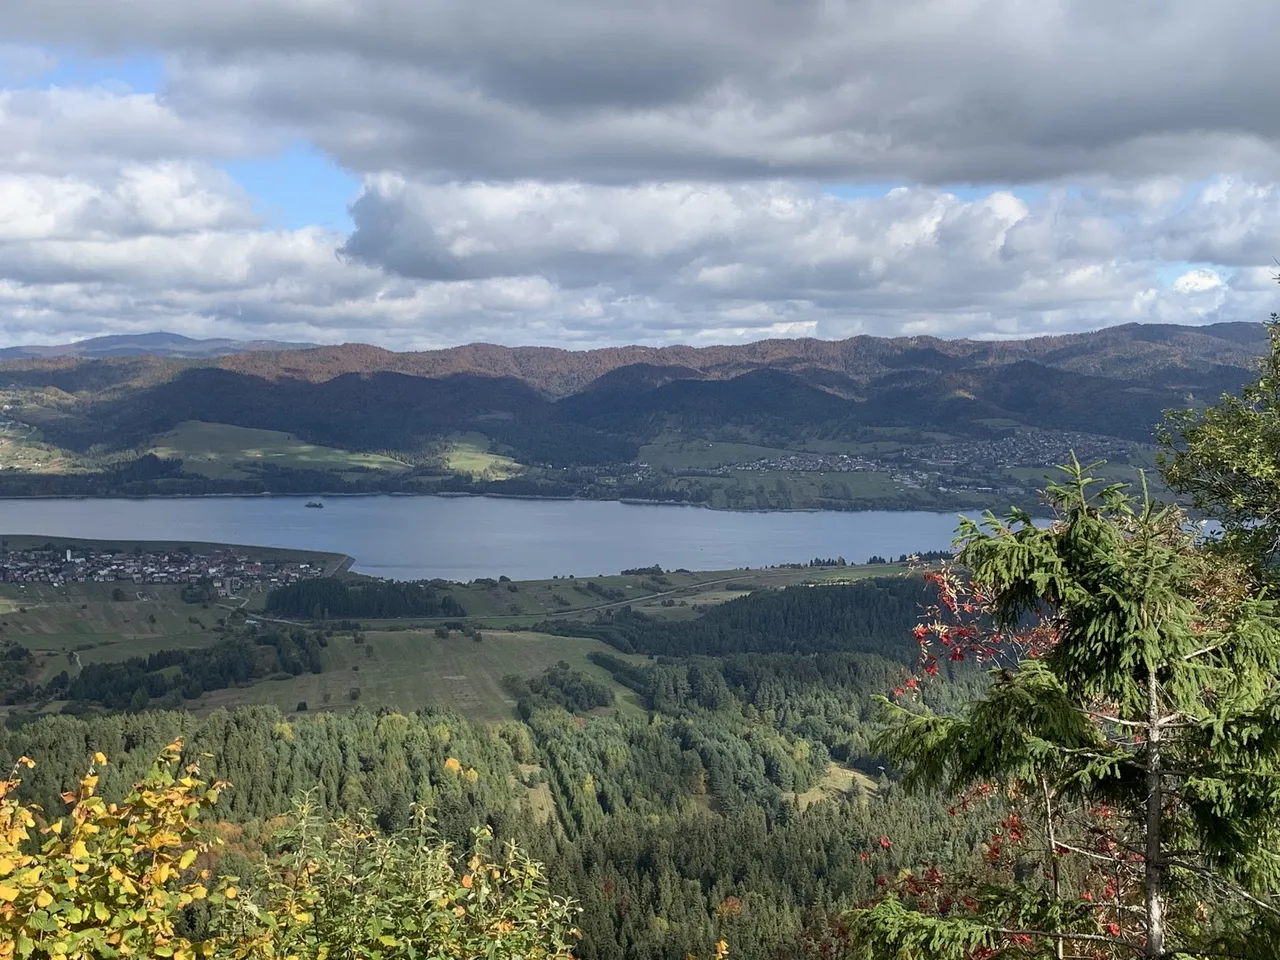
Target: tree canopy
<point>1128,735</point>
<point>1225,458</point>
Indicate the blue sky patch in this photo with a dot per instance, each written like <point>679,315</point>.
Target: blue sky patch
<point>1167,273</point>
<point>300,187</point>
<point>964,191</point>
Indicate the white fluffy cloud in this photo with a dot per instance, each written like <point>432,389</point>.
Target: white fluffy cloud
<point>572,172</point>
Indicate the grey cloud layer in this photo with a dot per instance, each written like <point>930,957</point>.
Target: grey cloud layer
<point>930,90</point>
<point>585,172</point>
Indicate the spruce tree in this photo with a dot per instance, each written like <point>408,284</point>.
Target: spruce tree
<point>1225,459</point>
<point>1129,731</point>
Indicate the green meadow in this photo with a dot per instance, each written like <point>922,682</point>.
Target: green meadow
<point>219,450</point>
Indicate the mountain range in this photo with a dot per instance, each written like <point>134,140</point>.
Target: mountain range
<point>567,409</point>
<point>1131,351</point>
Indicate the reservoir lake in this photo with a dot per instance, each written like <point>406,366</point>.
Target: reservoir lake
<point>461,538</point>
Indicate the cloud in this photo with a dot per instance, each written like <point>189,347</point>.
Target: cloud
<point>20,63</point>
<point>157,200</point>
<point>177,246</point>
<point>934,91</point>
<point>770,256</point>
<point>76,129</point>
<point>571,172</point>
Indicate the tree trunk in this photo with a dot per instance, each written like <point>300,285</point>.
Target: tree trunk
<point>1059,945</point>
<point>1155,803</point>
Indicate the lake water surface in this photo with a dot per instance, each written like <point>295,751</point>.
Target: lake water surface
<point>461,538</point>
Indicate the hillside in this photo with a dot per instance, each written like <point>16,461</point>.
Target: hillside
<point>903,422</point>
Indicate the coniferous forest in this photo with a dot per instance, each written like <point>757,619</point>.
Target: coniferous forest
<point>325,598</point>
<point>1063,744</point>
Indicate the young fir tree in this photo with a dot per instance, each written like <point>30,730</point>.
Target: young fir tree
<point>1133,733</point>
<point>1226,459</point>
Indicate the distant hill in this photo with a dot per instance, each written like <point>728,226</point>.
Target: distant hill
<point>588,409</point>
<point>146,344</point>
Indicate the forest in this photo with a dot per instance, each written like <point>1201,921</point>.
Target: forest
<point>1062,744</point>
<point>875,614</point>
<point>329,598</point>
<point>167,678</point>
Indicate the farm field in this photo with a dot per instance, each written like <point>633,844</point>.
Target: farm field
<point>401,664</point>
<point>21,449</point>
<point>409,669</point>
<point>468,453</point>
<point>80,623</point>
<point>495,603</point>
<point>219,450</point>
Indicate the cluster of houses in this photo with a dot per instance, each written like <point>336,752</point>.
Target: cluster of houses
<point>808,463</point>
<point>1026,449</point>
<point>226,571</point>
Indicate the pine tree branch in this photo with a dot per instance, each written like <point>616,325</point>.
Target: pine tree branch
<point>1227,885</point>
<point>1203,650</point>
<point>1092,855</point>
<point>1067,936</point>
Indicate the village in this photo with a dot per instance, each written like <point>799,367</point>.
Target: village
<point>225,570</point>
<point>1024,449</point>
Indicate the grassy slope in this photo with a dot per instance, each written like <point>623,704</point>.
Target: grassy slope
<point>468,453</point>
<point>82,619</point>
<point>219,450</point>
<point>533,600</point>
<point>409,669</point>
<point>21,449</point>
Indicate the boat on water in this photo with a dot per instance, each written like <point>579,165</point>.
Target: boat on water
<point>315,504</point>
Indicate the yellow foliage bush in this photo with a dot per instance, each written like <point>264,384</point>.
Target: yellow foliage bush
<point>110,880</point>
<point>107,880</point>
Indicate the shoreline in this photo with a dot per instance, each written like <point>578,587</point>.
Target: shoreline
<point>628,501</point>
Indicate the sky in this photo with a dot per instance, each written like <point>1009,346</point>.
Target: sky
<point>581,173</point>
